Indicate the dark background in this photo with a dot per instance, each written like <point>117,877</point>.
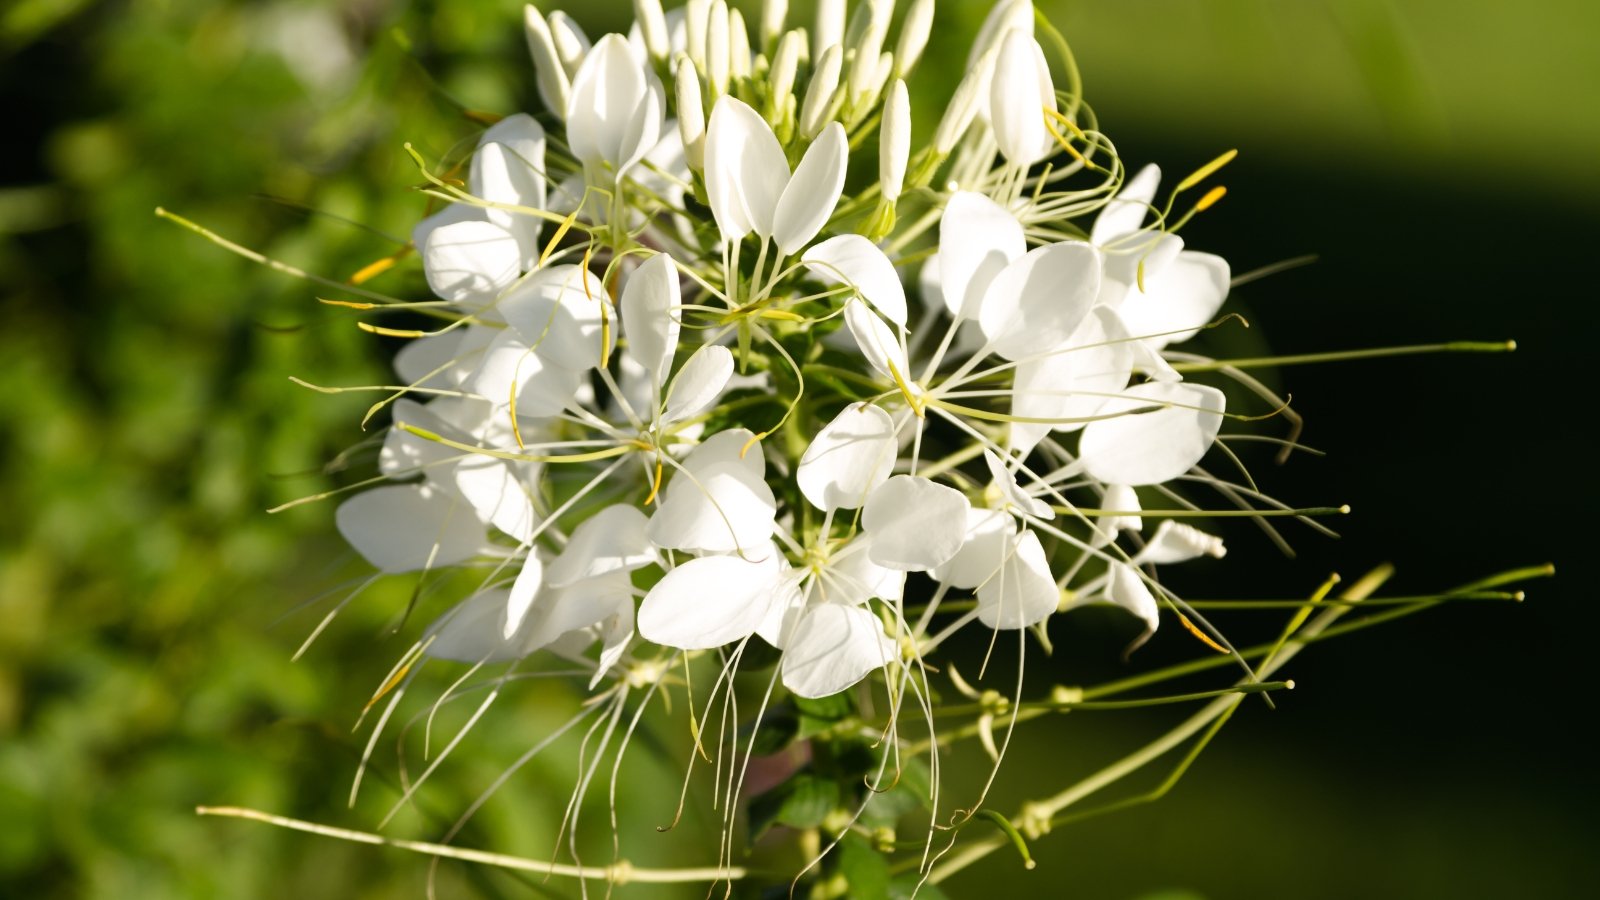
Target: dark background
<point>1438,157</point>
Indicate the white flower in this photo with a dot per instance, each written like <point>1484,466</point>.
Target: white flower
<point>750,186</point>
<point>719,502</point>
<point>410,527</point>
<point>1163,292</point>
<point>1019,94</point>
<point>1137,448</point>
<point>617,108</point>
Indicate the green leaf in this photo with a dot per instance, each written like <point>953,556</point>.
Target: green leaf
<point>801,802</point>
<point>863,868</point>
<point>820,714</point>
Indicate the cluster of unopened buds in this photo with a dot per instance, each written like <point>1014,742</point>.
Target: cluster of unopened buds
<point>678,404</point>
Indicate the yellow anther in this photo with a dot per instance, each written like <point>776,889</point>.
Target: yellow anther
<point>905,389</point>
<point>1138,275</point>
<point>1210,199</point>
<point>655,485</point>
<point>348,304</point>
<point>377,267</point>
<point>754,439</point>
<point>390,332</point>
<point>1206,171</point>
<point>561,232</point>
<point>516,430</point>
<point>1204,638</point>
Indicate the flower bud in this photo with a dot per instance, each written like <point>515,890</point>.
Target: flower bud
<point>1006,16</point>
<point>819,94</point>
<point>653,25</point>
<point>773,12</point>
<point>555,86</point>
<point>571,43</point>
<point>1020,92</point>
<point>738,45</point>
<point>963,106</point>
<point>894,141</point>
<point>785,64</point>
<point>914,33</point>
<point>717,49</point>
<point>864,68</point>
<point>691,113</point>
<point>830,26</point>
<point>695,15</point>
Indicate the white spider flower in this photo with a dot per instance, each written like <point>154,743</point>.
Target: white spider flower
<point>1163,292</point>
<point>617,108</point>
<point>751,188</point>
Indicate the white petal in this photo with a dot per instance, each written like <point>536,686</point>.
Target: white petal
<point>1036,302</point>
<point>510,367</point>
<point>404,528</point>
<point>523,592</point>
<point>977,239</point>
<point>470,632</point>
<point>431,362</point>
<point>611,540</point>
<point>403,453</point>
<point>984,544</point>
<point>745,170</point>
<point>1020,92</point>
<point>852,259</point>
<point>915,523</point>
<point>1118,497</point>
<point>813,192</point>
<point>708,602</point>
<point>720,503</point>
<point>848,458</point>
<point>1125,214</point>
<point>1010,484</point>
<point>832,648</point>
<point>651,314</point>
<point>467,260</point>
<point>616,632</point>
<point>788,603</point>
<point>1152,447</point>
<point>699,383</point>
<point>562,312</point>
<point>1022,592</point>
<point>509,168</point>
<point>497,495</point>
<point>852,576</point>
<point>1154,250</point>
<point>1185,296</point>
<point>878,344</point>
<point>1126,589</point>
<point>580,605</point>
<point>1072,383</point>
<point>1175,542</point>
<point>617,107</point>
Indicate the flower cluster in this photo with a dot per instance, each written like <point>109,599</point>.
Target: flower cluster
<point>679,399</point>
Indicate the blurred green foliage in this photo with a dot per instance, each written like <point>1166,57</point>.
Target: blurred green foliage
<point>147,603</point>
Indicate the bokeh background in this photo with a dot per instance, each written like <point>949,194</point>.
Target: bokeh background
<point>1438,155</point>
